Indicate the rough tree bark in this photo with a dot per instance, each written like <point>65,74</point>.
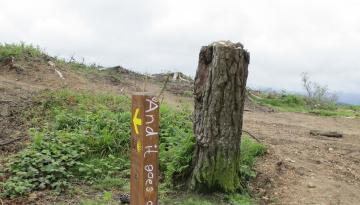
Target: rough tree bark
<point>219,103</point>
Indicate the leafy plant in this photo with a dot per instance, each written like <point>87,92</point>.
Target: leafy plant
<point>250,150</point>
<point>15,186</point>
<point>176,143</point>
<point>46,163</point>
<point>91,168</point>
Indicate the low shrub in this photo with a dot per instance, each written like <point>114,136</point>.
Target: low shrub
<point>46,163</point>
<point>176,143</point>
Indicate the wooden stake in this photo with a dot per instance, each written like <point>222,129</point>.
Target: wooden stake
<point>144,149</point>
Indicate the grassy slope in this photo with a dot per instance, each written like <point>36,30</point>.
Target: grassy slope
<point>80,144</point>
<point>296,103</point>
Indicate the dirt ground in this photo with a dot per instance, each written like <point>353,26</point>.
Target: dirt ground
<point>305,169</point>
<point>13,128</point>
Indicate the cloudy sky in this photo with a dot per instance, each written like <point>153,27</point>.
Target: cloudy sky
<point>284,38</point>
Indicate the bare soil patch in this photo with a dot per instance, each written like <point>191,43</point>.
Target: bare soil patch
<point>304,169</point>
<point>13,127</point>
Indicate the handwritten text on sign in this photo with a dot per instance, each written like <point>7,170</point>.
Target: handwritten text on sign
<point>145,148</point>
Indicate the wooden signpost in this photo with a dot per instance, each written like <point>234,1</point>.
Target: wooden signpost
<point>144,149</point>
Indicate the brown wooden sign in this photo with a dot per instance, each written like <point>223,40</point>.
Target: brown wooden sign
<point>144,149</point>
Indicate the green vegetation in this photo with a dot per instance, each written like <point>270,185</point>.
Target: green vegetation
<point>82,136</point>
<point>105,199</point>
<point>47,162</point>
<point>214,199</point>
<point>176,143</point>
<point>318,100</point>
<point>79,67</point>
<point>20,50</point>
<point>286,102</point>
<point>250,150</point>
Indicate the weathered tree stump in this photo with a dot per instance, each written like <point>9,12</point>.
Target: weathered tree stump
<point>219,103</point>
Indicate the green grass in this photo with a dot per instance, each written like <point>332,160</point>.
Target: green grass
<point>105,199</point>
<point>83,136</point>
<point>297,103</point>
<point>20,50</point>
<point>341,111</point>
<point>285,103</point>
<point>213,199</point>
<point>79,68</point>
<point>29,52</point>
<point>250,150</point>
<point>188,199</point>
<point>110,182</point>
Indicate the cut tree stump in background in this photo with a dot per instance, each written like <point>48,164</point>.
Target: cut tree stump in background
<point>219,90</point>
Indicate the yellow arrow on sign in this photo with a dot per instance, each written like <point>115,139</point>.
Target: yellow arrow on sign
<point>137,121</point>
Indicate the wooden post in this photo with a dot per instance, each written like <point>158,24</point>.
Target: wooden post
<point>144,149</point>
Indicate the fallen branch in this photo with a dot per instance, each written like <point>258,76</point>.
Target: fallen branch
<point>251,135</point>
<point>10,141</point>
<point>6,101</point>
<point>59,74</point>
<point>326,133</point>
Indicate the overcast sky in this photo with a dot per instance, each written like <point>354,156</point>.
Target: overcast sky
<point>284,37</point>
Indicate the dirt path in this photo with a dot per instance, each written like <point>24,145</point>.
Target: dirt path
<point>305,169</point>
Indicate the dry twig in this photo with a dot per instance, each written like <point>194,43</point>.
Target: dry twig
<point>10,141</point>
<point>164,87</point>
<point>251,135</point>
<point>6,101</point>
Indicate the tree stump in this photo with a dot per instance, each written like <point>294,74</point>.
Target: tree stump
<point>219,103</point>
